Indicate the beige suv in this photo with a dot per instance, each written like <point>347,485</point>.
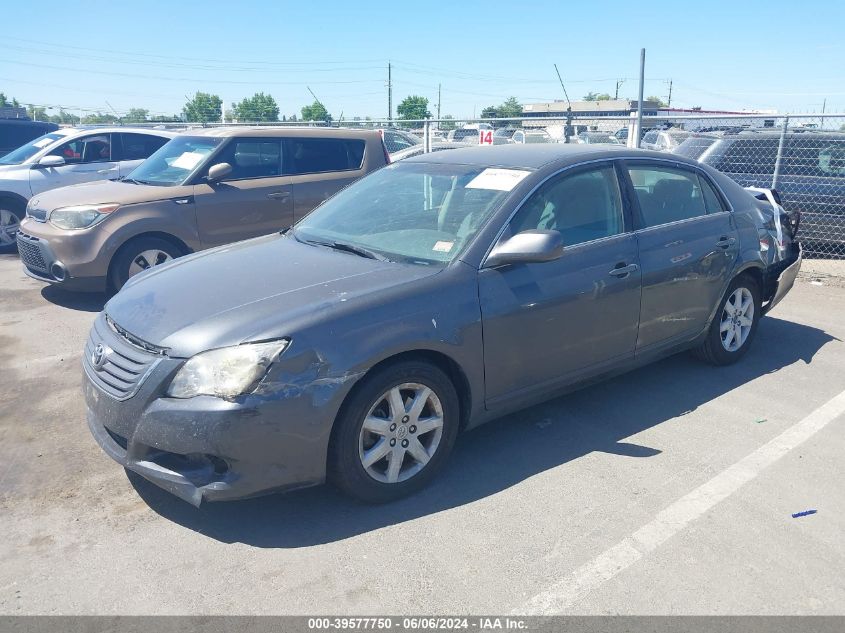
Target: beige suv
<point>204,188</point>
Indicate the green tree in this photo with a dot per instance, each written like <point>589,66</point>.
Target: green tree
<point>315,112</point>
<point>510,108</point>
<point>3,102</point>
<point>660,102</point>
<point>65,117</point>
<point>37,113</point>
<point>259,107</point>
<point>203,108</point>
<point>99,119</point>
<point>413,107</point>
<point>596,96</point>
<point>136,115</point>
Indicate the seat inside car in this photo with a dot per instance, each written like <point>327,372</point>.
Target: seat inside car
<point>671,200</point>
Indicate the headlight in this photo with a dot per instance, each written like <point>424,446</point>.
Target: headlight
<point>225,372</point>
<point>81,216</point>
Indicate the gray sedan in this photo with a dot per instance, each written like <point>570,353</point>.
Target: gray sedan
<point>427,298</point>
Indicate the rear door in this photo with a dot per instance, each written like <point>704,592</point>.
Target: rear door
<point>87,158</point>
<point>132,149</point>
<point>688,245</point>
<point>320,167</point>
<point>254,199</point>
<point>551,323</point>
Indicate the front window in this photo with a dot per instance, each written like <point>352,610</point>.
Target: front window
<point>85,149</point>
<point>175,161</point>
<point>412,212</point>
<point>25,152</point>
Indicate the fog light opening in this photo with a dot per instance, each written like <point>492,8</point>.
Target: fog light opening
<point>58,271</point>
<point>220,466</point>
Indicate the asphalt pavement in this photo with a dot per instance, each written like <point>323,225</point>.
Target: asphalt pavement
<point>668,490</point>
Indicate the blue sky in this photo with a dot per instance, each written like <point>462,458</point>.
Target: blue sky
<point>116,55</point>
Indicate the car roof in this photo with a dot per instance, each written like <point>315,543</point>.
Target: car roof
<point>289,131</point>
<point>117,128</point>
<point>535,156</point>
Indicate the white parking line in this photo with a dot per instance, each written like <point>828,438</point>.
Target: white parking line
<point>563,594</point>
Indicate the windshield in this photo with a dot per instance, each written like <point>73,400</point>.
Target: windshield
<point>175,161</point>
<point>413,212</point>
<point>25,152</point>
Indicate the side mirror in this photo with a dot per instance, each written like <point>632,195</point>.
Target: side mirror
<point>219,171</point>
<point>51,161</point>
<point>528,247</point>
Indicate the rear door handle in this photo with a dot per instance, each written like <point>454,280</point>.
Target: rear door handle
<point>278,195</point>
<point>725,242</point>
<point>622,270</point>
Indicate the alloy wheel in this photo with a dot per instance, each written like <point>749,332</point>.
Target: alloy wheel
<point>737,319</point>
<point>9,225</point>
<point>401,433</point>
<point>147,259</point>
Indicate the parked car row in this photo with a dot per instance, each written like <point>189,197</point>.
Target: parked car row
<point>419,298</point>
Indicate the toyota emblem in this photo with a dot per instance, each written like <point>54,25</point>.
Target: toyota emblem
<point>99,355</point>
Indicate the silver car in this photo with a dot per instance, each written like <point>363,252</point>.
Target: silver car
<point>68,156</point>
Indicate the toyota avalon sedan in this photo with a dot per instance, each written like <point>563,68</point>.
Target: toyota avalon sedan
<point>427,298</point>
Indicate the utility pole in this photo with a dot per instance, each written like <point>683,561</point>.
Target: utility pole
<point>824,105</point>
<point>619,82</point>
<point>640,101</point>
<point>438,104</point>
<point>669,104</point>
<point>389,94</point>
<point>567,129</point>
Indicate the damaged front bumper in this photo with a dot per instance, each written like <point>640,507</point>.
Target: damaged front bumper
<point>782,275</point>
<point>204,448</point>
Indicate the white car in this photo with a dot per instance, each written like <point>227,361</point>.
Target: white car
<point>66,157</point>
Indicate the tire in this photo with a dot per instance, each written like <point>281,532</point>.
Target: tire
<point>352,444</point>
<point>728,346</point>
<point>11,214</point>
<point>137,255</point>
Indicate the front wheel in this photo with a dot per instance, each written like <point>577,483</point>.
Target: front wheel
<point>395,433</point>
<point>138,255</point>
<point>735,324</point>
<point>10,222</point>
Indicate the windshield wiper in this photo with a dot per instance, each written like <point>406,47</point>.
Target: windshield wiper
<point>351,248</point>
<point>133,181</point>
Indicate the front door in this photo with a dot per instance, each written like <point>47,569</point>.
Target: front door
<point>552,323</point>
<point>254,199</point>
<point>87,158</point>
<point>688,245</point>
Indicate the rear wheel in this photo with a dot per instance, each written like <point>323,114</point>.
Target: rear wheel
<point>10,222</point>
<point>395,433</point>
<point>735,324</point>
<point>139,255</point>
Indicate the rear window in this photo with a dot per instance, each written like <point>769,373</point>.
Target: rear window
<point>318,155</point>
<point>749,156</point>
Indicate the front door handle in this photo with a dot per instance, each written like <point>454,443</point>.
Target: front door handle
<point>278,195</point>
<point>726,242</point>
<point>621,270</point>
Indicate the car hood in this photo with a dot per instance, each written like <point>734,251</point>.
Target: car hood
<point>104,191</point>
<point>255,290</point>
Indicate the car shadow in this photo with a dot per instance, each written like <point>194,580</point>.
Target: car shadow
<point>84,301</point>
<point>504,452</point>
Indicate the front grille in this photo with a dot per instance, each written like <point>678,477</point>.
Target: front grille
<point>124,367</point>
<point>30,252</point>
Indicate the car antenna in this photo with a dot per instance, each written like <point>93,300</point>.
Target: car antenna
<point>568,126</point>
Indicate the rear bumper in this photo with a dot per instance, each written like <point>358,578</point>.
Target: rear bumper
<point>785,278</point>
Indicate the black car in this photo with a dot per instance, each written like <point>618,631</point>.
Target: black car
<point>811,177</point>
<point>17,132</point>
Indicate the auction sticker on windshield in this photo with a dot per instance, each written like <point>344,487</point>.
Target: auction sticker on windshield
<point>498,179</point>
<point>188,160</point>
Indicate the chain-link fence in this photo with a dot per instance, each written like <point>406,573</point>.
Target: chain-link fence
<point>802,156</point>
